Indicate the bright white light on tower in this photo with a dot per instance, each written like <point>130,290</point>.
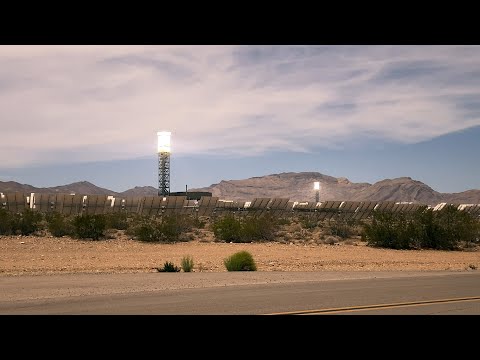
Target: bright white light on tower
<point>164,141</point>
<point>316,185</point>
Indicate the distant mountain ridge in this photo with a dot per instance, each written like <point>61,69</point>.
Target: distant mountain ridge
<point>295,186</point>
<point>299,187</point>
<point>81,187</point>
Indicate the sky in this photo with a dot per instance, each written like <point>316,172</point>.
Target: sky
<point>367,113</point>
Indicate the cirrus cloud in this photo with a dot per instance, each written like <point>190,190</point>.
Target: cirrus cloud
<point>87,103</point>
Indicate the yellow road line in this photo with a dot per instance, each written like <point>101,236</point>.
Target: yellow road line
<point>377,306</point>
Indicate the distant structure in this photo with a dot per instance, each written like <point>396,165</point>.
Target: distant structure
<point>316,187</point>
<point>164,163</point>
<point>196,195</point>
<point>191,195</point>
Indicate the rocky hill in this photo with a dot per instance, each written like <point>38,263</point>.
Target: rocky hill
<point>299,187</point>
<point>140,191</point>
<point>81,187</point>
<point>400,189</point>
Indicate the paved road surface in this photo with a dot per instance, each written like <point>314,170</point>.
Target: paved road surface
<point>310,293</point>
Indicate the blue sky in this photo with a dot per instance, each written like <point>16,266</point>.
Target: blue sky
<point>73,113</point>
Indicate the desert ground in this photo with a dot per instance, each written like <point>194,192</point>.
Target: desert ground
<point>43,255</point>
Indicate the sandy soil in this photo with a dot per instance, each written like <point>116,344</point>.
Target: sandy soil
<point>30,255</point>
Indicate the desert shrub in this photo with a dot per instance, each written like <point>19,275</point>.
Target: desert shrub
<point>89,226</point>
<point>187,263</point>
<point>168,267</point>
<point>167,229</point>
<point>59,225</point>
<point>227,228</point>
<point>248,229</point>
<point>117,221</point>
<point>283,221</point>
<point>27,222</point>
<point>173,225</point>
<point>452,227</point>
<point>134,222</point>
<point>444,229</point>
<point>395,231</point>
<point>308,222</point>
<point>424,228</point>
<point>6,222</point>
<point>198,223</point>
<point>240,261</point>
<point>428,229</point>
<point>341,228</point>
<point>148,231</point>
<point>257,229</point>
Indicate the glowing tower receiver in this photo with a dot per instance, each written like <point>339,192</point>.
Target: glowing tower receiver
<point>163,163</point>
<point>316,187</point>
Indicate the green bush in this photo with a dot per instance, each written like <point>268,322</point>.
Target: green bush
<point>283,221</point>
<point>227,228</point>
<point>168,267</point>
<point>248,229</point>
<point>442,230</point>
<point>59,225</point>
<point>167,229</point>
<point>117,221</point>
<point>187,263</point>
<point>134,221</point>
<point>6,222</point>
<point>395,231</point>
<point>27,222</point>
<point>90,226</point>
<point>173,225</point>
<point>147,231</point>
<point>240,261</point>
<point>341,228</point>
<point>308,222</point>
<point>447,228</point>
<point>199,224</point>
<point>258,228</point>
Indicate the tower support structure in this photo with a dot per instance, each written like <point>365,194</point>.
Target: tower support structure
<point>163,174</point>
<point>163,150</point>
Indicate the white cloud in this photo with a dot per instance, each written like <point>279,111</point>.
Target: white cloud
<point>83,103</point>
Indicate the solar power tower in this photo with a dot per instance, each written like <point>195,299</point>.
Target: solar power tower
<point>163,163</point>
<point>316,187</point>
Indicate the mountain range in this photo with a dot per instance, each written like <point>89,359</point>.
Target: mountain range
<point>295,186</point>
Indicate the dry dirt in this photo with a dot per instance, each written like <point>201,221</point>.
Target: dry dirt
<point>35,255</point>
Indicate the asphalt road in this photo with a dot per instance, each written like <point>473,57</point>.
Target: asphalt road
<point>349,293</point>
